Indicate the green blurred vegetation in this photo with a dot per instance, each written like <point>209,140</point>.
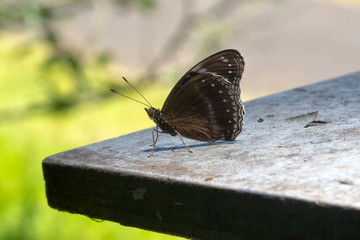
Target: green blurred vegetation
<point>35,124</point>
<point>54,99</point>
<point>38,18</point>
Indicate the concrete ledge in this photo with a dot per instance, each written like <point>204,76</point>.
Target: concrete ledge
<point>278,180</point>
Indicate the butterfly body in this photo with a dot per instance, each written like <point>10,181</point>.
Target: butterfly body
<point>205,104</point>
<point>156,116</point>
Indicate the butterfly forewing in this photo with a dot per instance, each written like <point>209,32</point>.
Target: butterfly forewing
<point>228,64</point>
<point>205,108</point>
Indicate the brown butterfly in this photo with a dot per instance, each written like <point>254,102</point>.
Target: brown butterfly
<point>205,104</point>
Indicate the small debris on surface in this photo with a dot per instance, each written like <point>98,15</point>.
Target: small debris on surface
<point>315,123</point>
<point>345,182</point>
<point>308,118</point>
<point>208,179</point>
<point>260,120</point>
<point>304,117</point>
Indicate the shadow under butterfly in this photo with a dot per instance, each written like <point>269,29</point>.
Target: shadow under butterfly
<point>205,104</point>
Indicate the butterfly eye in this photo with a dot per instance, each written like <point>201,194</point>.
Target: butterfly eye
<point>150,112</point>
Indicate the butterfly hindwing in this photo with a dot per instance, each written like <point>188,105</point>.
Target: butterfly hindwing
<point>228,64</point>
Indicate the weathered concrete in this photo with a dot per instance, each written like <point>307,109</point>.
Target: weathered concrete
<point>278,180</point>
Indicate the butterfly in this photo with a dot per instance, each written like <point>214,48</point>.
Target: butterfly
<point>205,104</point>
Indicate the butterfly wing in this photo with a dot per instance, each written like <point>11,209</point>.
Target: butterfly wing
<point>227,63</point>
<point>205,108</point>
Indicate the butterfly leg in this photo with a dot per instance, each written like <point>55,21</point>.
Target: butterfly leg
<point>154,139</point>
<point>183,141</point>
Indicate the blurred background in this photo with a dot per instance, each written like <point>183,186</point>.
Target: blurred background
<point>58,60</point>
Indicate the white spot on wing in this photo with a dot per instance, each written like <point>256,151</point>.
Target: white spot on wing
<point>225,60</point>
<point>224,100</point>
<point>213,85</point>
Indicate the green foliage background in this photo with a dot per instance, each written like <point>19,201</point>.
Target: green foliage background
<point>32,127</point>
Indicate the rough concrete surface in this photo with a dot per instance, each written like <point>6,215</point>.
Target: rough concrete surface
<point>275,156</point>
<point>294,173</point>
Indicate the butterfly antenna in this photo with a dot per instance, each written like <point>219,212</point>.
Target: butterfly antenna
<point>136,91</point>
<point>130,98</point>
